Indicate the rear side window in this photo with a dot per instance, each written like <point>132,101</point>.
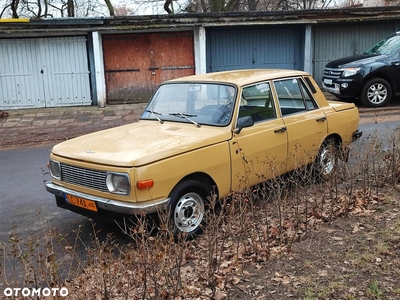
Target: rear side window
<point>293,96</point>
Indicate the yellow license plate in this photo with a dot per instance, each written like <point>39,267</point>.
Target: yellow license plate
<point>84,203</point>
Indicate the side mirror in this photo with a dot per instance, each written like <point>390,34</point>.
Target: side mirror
<point>244,122</point>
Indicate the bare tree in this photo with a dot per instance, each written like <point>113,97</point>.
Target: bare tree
<point>56,8</point>
<point>254,5</point>
<point>302,4</point>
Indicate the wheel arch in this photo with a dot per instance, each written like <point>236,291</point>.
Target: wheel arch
<point>204,179</point>
<point>333,136</point>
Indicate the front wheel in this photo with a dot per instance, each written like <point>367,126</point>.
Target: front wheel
<point>376,92</point>
<point>188,200</point>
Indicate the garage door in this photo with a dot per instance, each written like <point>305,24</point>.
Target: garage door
<point>332,42</point>
<point>254,48</point>
<point>44,72</point>
<point>135,64</point>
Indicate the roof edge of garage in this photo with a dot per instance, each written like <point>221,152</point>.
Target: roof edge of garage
<point>148,22</point>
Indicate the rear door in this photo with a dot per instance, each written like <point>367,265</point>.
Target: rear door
<point>305,123</point>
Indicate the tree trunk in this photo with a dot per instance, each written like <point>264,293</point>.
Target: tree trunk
<point>14,7</point>
<point>203,6</point>
<point>71,8</point>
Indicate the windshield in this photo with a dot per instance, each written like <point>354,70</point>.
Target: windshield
<point>387,46</point>
<point>197,103</point>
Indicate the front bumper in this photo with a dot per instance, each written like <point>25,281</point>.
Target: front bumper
<point>334,86</point>
<point>112,205</point>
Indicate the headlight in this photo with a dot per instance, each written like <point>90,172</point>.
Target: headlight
<point>350,72</point>
<point>55,169</point>
<point>118,183</point>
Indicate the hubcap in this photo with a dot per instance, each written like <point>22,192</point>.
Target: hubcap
<point>327,162</point>
<point>189,212</point>
<point>377,93</point>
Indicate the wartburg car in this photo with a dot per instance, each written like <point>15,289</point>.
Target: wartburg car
<point>202,134</point>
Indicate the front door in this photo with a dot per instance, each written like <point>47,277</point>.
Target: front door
<point>258,152</point>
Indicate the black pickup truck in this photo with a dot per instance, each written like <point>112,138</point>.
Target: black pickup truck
<point>373,76</point>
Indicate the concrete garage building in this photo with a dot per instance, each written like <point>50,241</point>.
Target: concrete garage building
<point>105,61</point>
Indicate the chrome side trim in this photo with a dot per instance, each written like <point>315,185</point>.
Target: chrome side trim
<point>112,205</point>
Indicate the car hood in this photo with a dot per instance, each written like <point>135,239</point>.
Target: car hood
<point>354,60</point>
<point>140,143</point>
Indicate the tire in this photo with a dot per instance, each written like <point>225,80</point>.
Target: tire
<point>376,92</point>
<point>187,208</point>
<point>326,160</point>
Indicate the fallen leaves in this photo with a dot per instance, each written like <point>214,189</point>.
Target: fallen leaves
<point>211,265</point>
<point>3,114</point>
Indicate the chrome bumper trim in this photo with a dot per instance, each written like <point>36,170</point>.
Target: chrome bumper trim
<point>334,90</point>
<point>112,205</point>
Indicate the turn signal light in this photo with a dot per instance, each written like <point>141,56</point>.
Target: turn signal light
<point>145,184</point>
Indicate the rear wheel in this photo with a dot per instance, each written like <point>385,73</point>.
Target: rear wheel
<point>188,202</point>
<point>326,160</point>
<point>376,92</point>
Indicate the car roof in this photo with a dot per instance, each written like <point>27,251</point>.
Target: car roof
<point>241,77</point>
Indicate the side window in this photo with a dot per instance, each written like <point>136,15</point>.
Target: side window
<point>310,102</point>
<point>293,96</point>
<point>256,101</point>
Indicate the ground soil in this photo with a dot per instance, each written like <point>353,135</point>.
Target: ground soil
<point>354,257</point>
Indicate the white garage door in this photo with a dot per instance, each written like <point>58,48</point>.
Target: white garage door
<point>44,72</point>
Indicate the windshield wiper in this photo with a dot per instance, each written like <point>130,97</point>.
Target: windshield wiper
<point>186,116</point>
<point>155,114</point>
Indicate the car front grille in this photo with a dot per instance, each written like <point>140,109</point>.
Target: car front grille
<point>84,177</point>
<point>330,72</point>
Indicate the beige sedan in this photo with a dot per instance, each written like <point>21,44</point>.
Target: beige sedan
<point>202,134</point>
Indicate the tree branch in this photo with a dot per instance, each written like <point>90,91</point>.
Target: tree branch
<point>166,7</point>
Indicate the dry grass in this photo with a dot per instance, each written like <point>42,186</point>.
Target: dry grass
<point>284,239</point>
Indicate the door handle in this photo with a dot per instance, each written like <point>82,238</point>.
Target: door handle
<point>321,119</point>
<point>283,129</point>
